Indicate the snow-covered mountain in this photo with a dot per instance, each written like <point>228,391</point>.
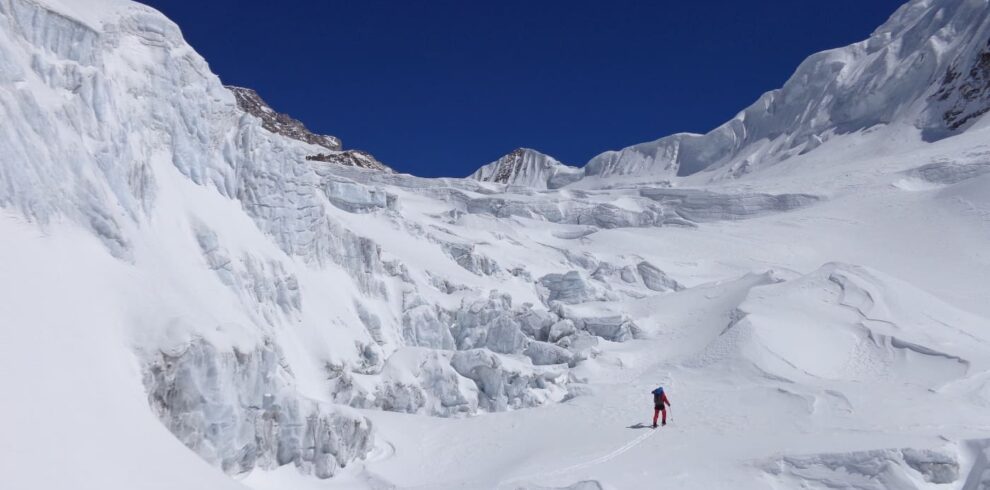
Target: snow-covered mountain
<point>195,286</point>
<point>928,67</point>
<point>530,168</point>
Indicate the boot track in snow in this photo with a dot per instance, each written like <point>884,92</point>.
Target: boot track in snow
<point>586,464</point>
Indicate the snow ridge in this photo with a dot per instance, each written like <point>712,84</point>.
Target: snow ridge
<point>886,79</point>
<point>927,68</point>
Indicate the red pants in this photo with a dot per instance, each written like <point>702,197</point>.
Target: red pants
<point>657,412</point>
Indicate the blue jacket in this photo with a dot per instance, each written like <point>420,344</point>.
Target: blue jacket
<point>659,398</point>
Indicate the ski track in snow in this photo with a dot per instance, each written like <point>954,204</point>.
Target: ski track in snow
<point>586,464</point>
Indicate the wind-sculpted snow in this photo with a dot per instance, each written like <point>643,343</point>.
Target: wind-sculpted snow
<point>861,334</point>
<point>239,411</point>
<point>869,470</point>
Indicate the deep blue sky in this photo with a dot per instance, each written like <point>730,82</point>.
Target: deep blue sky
<point>438,88</point>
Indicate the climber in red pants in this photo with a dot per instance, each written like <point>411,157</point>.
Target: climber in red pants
<point>660,404</point>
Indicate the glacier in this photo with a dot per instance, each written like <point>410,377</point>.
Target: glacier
<point>199,292</point>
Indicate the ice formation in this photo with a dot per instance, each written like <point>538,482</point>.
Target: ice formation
<point>810,275</point>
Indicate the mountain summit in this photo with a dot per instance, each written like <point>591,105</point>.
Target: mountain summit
<point>526,167</point>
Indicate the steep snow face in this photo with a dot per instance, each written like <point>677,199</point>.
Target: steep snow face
<point>924,68</point>
<point>529,168</point>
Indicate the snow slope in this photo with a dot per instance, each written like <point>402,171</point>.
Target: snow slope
<point>191,299</point>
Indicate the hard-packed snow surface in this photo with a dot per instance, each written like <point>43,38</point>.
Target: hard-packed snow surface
<point>199,294</point>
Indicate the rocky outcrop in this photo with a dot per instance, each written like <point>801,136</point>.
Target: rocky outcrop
<point>350,158</point>
<point>964,93</point>
<point>249,101</point>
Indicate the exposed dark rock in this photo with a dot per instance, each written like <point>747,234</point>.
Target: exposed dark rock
<point>350,158</point>
<point>249,101</point>
<point>965,91</point>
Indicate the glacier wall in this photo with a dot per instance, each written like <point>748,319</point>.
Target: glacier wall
<point>126,133</point>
